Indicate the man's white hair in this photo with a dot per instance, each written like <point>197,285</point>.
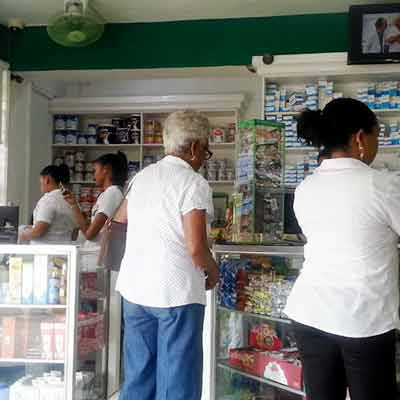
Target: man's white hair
<point>184,127</point>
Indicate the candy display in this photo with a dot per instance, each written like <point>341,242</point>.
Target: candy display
<point>312,96</point>
<point>253,287</point>
<point>264,337</point>
<point>380,96</point>
<point>258,215</point>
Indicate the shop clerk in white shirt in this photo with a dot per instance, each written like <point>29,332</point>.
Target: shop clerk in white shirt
<point>162,277</point>
<point>52,218</point>
<point>110,174</point>
<point>345,303</point>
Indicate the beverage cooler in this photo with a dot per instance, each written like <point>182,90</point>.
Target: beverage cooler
<point>53,323</point>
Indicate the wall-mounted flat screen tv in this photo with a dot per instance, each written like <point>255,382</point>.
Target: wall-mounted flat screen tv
<point>374,34</point>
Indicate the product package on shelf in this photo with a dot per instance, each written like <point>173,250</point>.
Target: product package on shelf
<point>311,96</point>
<point>258,201</point>
<point>255,286</point>
<point>282,366</point>
<point>381,95</point>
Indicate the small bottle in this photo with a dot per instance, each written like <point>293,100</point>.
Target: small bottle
<point>54,287</point>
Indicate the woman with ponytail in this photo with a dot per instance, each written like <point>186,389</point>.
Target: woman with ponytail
<point>52,218</point>
<point>110,174</point>
<point>345,303</point>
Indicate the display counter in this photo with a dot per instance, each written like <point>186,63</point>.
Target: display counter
<point>53,323</point>
<point>255,351</point>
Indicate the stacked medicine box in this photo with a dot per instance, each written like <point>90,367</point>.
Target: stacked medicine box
<point>295,174</point>
<point>380,96</point>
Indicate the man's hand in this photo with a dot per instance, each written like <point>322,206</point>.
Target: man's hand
<point>212,275</point>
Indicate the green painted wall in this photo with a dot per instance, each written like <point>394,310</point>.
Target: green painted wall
<point>184,44</point>
<point>4,53</point>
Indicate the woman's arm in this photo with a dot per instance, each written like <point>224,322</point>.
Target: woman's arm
<point>35,232</point>
<point>89,230</point>
<point>195,231</point>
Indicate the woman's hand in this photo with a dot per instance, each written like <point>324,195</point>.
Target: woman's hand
<point>70,199</point>
<point>212,276</point>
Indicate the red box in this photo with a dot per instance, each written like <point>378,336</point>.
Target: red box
<point>282,367</point>
<point>264,337</point>
<point>286,372</point>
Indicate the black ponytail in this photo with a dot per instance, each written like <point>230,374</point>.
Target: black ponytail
<point>333,127</point>
<point>119,167</point>
<point>60,174</point>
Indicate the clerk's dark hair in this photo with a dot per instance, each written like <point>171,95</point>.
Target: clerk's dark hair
<point>118,164</point>
<point>333,127</point>
<point>60,174</point>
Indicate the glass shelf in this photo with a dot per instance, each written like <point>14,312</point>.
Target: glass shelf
<point>225,365</point>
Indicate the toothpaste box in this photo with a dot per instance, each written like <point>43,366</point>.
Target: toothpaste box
<point>27,282</point>
<point>15,280</point>
<point>41,279</point>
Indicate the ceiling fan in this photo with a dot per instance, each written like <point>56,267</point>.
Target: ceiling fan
<point>78,26</point>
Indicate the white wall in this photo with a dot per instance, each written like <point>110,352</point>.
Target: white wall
<point>29,146</point>
<point>18,147</point>
<point>250,86</point>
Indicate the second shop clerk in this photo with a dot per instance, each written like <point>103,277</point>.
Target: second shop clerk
<point>111,172</point>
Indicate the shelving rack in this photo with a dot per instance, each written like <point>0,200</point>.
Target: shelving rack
<point>294,71</point>
<point>220,109</point>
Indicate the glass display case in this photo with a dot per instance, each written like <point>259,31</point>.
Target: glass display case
<point>255,352</point>
<point>259,194</point>
<point>53,323</point>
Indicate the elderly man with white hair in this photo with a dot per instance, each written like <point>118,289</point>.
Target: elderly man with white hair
<point>167,267</point>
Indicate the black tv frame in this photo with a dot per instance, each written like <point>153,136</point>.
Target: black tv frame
<point>355,54</point>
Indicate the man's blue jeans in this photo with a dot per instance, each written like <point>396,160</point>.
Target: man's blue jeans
<point>163,352</point>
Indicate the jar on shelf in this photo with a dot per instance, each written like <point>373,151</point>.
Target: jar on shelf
<point>231,133</point>
<point>59,137</point>
<point>117,122</point>
<point>71,137</point>
<point>72,122</point>
<point>91,139</point>
<point>230,176</point>
<point>80,156</point>
<point>88,166</point>
<point>82,139</point>
<point>79,166</point>
<point>92,130</point>
<point>212,174</point>
<point>70,159</point>
<point>60,123</point>
<point>58,160</point>
<point>89,177</point>
<point>134,136</point>
<point>218,135</point>
<point>78,177</point>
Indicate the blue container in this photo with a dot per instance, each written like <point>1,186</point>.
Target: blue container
<point>4,392</point>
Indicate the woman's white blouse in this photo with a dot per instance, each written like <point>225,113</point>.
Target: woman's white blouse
<point>157,270</point>
<point>54,210</point>
<point>350,215</point>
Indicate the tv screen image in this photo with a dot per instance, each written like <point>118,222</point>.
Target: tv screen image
<point>374,34</point>
<point>381,33</point>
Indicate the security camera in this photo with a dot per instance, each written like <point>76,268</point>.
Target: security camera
<point>251,68</point>
<point>268,59</point>
<point>15,24</point>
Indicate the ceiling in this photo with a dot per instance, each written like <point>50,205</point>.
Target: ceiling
<point>38,12</point>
